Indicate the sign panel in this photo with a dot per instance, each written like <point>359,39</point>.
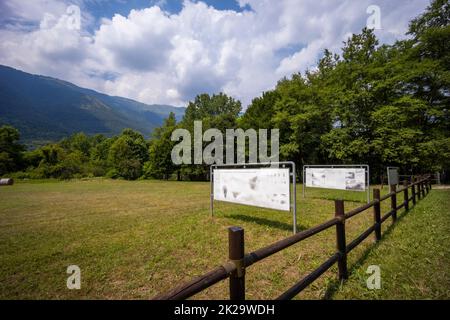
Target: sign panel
<point>392,173</point>
<point>336,178</point>
<point>263,187</point>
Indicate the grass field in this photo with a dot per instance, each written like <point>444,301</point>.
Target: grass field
<point>133,240</point>
<point>414,257</point>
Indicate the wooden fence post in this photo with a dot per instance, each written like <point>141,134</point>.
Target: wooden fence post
<point>422,187</point>
<point>340,239</point>
<point>393,189</point>
<point>377,214</point>
<point>413,191</point>
<point>419,190</point>
<point>236,255</point>
<point>406,195</point>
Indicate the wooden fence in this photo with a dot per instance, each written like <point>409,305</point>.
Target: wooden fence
<point>238,263</point>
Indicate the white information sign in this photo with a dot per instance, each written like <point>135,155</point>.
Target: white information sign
<point>392,173</point>
<point>336,178</point>
<point>261,187</point>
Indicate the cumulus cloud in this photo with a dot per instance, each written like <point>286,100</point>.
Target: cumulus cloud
<point>155,56</point>
<point>140,42</point>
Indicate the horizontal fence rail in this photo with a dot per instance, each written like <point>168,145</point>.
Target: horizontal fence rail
<point>236,267</point>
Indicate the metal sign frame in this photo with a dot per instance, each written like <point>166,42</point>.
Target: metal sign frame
<point>283,164</point>
<point>364,166</point>
<point>387,171</point>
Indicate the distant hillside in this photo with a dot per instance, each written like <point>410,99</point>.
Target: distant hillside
<point>48,109</point>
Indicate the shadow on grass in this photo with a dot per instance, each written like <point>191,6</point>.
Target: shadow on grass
<point>334,285</point>
<point>265,222</point>
<point>332,198</point>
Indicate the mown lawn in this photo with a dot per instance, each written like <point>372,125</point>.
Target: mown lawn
<point>133,240</point>
<point>414,257</point>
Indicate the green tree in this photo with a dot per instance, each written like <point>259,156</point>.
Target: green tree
<point>10,150</point>
<point>217,111</point>
<point>160,163</point>
<point>77,142</point>
<point>128,154</point>
<point>260,112</point>
<point>70,165</point>
<point>99,155</point>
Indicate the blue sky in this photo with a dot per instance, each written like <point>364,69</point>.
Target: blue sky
<point>101,9</point>
<point>168,51</point>
<point>108,8</point>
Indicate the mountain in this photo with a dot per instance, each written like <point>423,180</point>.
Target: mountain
<point>48,109</point>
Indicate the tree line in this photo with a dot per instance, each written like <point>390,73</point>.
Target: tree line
<point>381,105</point>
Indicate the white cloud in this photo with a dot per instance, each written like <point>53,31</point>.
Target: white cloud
<point>157,57</point>
<point>140,42</point>
<point>33,11</point>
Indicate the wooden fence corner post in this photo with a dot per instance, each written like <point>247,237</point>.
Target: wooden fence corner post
<point>236,252</point>
<point>377,214</point>
<point>393,190</point>
<point>340,239</point>
<point>406,195</point>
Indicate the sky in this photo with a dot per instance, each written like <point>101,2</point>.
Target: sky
<point>168,51</point>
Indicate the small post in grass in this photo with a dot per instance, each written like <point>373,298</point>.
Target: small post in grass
<point>423,188</point>
<point>236,255</point>
<point>377,214</point>
<point>340,239</point>
<point>393,189</point>
<point>406,195</point>
<point>419,191</point>
<point>413,191</point>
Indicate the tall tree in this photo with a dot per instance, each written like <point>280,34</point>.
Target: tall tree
<point>10,150</point>
<point>217,111</point>
<point>160,163</point>
<point>128,154</point>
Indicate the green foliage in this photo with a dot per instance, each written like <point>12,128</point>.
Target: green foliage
<point>10,150</point>
<point>128,154</point>
<point>217,111</point>
<point>259,114</point>
<point>437,15</point>
<point>411,256</point>
<point>160,164</point>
